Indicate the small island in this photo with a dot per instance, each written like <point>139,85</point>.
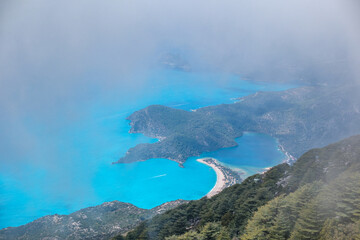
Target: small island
<point>225,177</point>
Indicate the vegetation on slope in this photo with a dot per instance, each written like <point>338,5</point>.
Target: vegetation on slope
<point>301,119</point>
<point>316,198</point>
<point>99,222</point>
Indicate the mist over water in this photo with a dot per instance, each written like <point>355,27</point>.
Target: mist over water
<point>54,55</point>
<point>69,164</point>
<point>71,72</point>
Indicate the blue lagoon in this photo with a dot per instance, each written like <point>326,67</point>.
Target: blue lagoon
<point>68,165</point>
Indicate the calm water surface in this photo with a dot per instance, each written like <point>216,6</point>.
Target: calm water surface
<point>254,153</point>
<point>68,164</point>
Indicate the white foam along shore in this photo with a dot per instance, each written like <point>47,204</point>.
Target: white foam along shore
<point>289,158</point>
<point>220,176</point>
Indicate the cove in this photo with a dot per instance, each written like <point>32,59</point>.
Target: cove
<point>255,152</point>
<point>67,165</point>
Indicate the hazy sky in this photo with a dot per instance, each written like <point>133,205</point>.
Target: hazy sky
<point>67,38</point>
<point>56,53</point>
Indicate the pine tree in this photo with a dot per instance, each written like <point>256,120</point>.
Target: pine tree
<point>210,231</point>
<point>290,208</point>
<point>282,228</point>
<point>309,224</point>
<point>191,235</point>
<point>263,220</point>
<point>333,229</point>
<point>348,206</point>
<point>223,234</point>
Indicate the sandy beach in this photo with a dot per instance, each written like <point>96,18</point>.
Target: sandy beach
<point>220,177</point>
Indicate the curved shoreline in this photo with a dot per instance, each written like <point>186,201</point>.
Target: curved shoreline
<point>223,179</point>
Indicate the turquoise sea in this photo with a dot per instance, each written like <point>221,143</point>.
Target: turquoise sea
<point>254,153</point>
<point>68,164</point>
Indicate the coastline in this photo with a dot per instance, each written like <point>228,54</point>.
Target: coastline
<point>289,159</point>
<point>224,176</point>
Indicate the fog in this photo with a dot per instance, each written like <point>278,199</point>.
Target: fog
<point>56,54</point>
<point>58,59</point>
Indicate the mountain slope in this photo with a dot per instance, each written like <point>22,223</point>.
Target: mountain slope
<point>297,202</point>
<point>99,222</point>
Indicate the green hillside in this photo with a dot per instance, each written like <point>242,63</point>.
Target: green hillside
<point>316,198</point>
<point>100,222</point>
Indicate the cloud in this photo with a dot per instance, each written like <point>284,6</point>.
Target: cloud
<point>55,55</point>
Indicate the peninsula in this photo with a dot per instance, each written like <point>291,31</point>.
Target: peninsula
<point>300,119</point>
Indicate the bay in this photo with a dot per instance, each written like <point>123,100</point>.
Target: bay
<point>68,163</point>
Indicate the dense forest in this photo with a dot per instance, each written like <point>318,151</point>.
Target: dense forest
<point>316,198</point>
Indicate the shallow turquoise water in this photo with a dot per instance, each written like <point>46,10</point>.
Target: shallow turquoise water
<point>254,153</point>
<point>68,166</point>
